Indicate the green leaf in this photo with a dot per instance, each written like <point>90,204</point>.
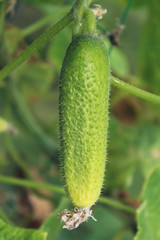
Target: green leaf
<point>53,224</point>
<point>149,211</point>
<point>8,232</point>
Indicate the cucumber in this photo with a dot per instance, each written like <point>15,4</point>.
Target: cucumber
<point>83,107</point>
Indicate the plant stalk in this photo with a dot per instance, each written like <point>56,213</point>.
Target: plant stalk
<point>135,91</point>
<point>116,204</point>
<point>125,14</point>
<point>31,184</point>
<point>60,190</point>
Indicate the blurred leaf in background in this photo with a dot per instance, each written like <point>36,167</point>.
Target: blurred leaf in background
<point>149,211</point>
<point>12,233</point>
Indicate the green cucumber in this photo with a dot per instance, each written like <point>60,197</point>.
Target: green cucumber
<point>83,105</point>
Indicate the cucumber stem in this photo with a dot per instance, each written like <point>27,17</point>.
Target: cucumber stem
<point>89,22</point>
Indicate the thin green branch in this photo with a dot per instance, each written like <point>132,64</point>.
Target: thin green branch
<point>116,204</point>
<point>135,91</point>
<point>125,14</point>
<point>57,189</point>
<point>31,184</point>
<point>37,45</point>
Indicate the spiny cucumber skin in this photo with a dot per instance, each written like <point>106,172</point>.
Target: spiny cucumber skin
<point>83,103</point>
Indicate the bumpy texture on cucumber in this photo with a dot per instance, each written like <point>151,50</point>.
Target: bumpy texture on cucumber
<point>83,101</point>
